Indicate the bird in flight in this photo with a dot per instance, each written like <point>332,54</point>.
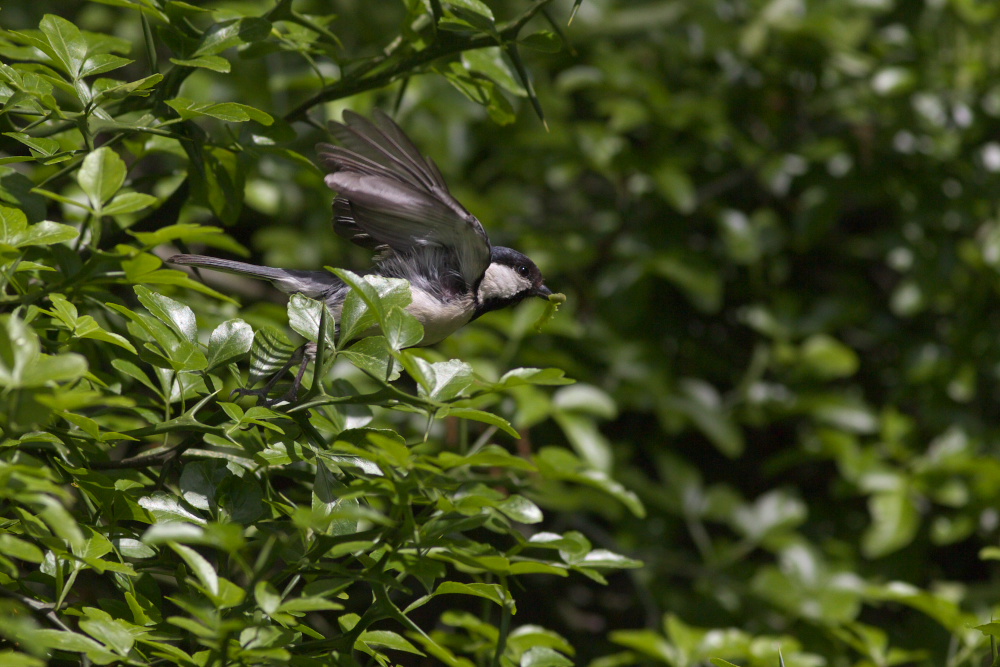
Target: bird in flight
<point>394,201</point>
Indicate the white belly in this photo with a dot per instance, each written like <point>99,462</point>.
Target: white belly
<point>440,320</point>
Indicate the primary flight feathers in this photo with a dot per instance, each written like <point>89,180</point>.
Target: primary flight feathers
<point>391,195</point>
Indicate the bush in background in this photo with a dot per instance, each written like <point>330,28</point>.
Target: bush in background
<point>777,229</point>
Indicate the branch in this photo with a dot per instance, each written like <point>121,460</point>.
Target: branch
<point>362,81</point>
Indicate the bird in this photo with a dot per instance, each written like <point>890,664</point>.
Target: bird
<point>393,200</point>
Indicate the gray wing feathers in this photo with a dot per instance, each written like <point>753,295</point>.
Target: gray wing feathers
<point>389,194</point>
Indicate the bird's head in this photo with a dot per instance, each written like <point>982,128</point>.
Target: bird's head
<point>510,278</point>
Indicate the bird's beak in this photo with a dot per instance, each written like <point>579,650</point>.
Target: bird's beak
<point>542,292</point>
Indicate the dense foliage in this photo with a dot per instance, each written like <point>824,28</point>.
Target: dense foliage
<point>775,222</point>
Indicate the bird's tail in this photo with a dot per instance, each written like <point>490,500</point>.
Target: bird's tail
<point>310,283</point>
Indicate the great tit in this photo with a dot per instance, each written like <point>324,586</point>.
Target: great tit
<point>394,201</point>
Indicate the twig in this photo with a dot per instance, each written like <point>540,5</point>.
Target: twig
<point>360,81</point>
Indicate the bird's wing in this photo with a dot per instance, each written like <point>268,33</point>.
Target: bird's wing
<point>391,195</point>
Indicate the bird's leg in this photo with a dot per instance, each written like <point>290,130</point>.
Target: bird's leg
<point>303,356</point>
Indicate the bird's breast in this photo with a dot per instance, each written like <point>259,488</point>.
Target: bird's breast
<point>440,318</point>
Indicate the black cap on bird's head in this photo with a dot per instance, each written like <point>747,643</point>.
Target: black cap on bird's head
<point>510,278</point>
<point>524,268</point>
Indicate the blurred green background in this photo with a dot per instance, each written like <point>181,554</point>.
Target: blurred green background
<point>777,226</point>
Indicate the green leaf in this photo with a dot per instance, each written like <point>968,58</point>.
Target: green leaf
<point>22,365</point>
<point>167,508</point>
<point>111,632</point>
<point>493,592</point>
<point>214,63</point>
<point>401,329</point>
<point>228,34</point>
<point>15,231</point>
<point>40,146</point>
<point>701,404</point>
<point>231,112</point>
<point>372,355</point>
<point>103,62</point>
<point>267,597</point>
<point>174,314</point>
<point>558,463</point>
<point>895,521</point>
<point>443,380</point>
<point>544,41</point>
<point>219,182</point>
<point>586,438</point>
<point>202,569</point>
<point>101,175</point>
<point>67,43</point>
<point>133,371</point>
<point>63,640</point>
<point>480,416</point>
<point>229,341</point>
<point>14,547</point>
<point>489,62</point>
<point>543,656</point>
<point>828,358</point>
<point>270,351</point>
<point>584,399</point>
<point>189,233</point>
<point>520,509</point>
<point>370,639</point>
<point>109,89</point>
<point>305,315</point>
<point>676,187</point>
<point>129,202</point>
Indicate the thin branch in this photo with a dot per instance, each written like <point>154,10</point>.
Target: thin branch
<point>359,82</point>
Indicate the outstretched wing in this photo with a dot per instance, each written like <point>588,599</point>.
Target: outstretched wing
<point>391,195</point>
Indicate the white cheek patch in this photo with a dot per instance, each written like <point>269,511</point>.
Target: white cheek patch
<point>502,282</point>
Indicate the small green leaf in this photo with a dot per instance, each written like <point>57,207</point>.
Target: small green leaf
<point>174,314</point>
<point>228,34</point>
<point>543,656</point>
<point>489,62</point>
<point>214,63</point>
<point>401,329</point>
<point>267,597</point>
<point>199,565</point>
<point>560,464</point>
<point>676,187</point>
<point>384,639</point>
<point>15,231</point>
<point>443,380</point>
<point>101,175</point>
<point>270,351</point>
<point>116,90</point>
<point>129,202</point>
<point>895,522</point>
<point>189,233</point>
<point>228,342</point>
<point>20,549</point>
<point>529,376</point>
<point>305,315</point>
<point>231,112</point>
<point>103,62</point>
<point>520,509</point>
<point>40,146</point>
<point>371,354</point>
<point>67,43</point>
<point>480,416</point>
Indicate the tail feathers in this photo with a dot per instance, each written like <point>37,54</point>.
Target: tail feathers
<point>310,283</point>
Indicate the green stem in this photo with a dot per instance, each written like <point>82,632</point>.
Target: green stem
<point>362,79</point>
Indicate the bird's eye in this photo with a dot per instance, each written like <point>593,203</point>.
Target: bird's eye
<point>523,270</point>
